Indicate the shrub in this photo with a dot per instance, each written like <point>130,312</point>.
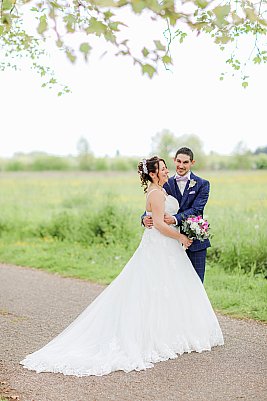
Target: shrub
<point>48,163</point>
<point>15,165</point>
<point>248,257</point>
<point>109,225</point>
<point>101,164</point>
<point>261,161</point>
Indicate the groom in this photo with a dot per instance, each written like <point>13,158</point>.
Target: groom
<point>192,193</point>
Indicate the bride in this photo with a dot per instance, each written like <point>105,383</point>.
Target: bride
<point>155,309</point>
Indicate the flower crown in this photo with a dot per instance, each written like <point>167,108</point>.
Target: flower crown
<point>145,170</point>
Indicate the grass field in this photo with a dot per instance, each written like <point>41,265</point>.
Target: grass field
<point>88,225</point>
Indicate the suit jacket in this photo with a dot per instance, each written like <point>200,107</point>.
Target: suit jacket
<point>192,202</point>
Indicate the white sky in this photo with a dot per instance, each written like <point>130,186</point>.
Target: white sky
<point>116,108</point>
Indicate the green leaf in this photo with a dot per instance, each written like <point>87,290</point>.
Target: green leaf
<point>138,6</point>
<point>244,84</point>
<point>85,49</point>
<point>221,13</point>
<point>167,59</point>
<point>105,3</point>
<point>110,37</point>
<point>70,20</point>
<point>257,59</point>
<point>251,15</point>
<point>202,3</point>
<point>7,5</point>
<point>108,14</point>
<point>96,27</point>
<point>159,45</point>
<point>42,27</point>
<point>156,7</point>
<point>70,56</point>
<point>56,5</point>
<point>148,69</point>
<point>223,39</point>
<point>59,43</point>
<point>237,20</point>
<point>145,52</point>
<point>173,17</point>
<point>114,26</point>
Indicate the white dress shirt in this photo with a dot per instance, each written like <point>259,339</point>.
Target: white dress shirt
<point>182,184</point>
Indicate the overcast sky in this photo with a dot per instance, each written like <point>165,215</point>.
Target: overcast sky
<point>116,108</point>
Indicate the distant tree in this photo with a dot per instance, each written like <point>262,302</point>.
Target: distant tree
<point>83,146</point>
<point>165,144</point>
<point>261,149</point>
<point>240,148</point>
<point>195,143</point>
<point>241,156</point>
<point>85,156</point>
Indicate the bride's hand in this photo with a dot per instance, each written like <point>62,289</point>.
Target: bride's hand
<point>185,241</point>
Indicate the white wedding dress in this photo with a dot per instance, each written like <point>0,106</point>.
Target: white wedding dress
<point>155,309</point>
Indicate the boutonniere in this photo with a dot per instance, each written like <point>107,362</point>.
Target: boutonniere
<point>192,183</point>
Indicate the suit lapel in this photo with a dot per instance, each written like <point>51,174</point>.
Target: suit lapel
<point>186,190</point>
<point>174,189</point>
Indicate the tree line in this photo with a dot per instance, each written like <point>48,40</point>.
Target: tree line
<point>164,143</point>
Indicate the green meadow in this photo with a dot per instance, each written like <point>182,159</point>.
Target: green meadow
<point>87,225</point>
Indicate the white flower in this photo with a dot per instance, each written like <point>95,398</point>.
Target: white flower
<point>198,231</point>
<point>194,226</point>
<point>192,183</point>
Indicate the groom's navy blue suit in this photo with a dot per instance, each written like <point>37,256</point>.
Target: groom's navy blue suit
<point>192,202</point>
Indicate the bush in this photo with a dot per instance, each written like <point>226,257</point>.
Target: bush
<point>109,225</point>
<point>48,163</point>
<point>15,165</point>
<point>121,164</point>
<point>249,258</point>
<point>101,164</point>
<point>4,227</point>
<point>261,161</point>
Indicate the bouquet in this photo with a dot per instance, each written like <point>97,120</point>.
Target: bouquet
<point>196,227</point>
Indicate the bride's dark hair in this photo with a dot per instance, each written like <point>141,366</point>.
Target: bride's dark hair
<point>147,166</point>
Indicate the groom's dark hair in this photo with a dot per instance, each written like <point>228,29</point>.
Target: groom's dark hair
<point>185,151</point>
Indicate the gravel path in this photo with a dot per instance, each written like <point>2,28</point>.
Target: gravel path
<point>35,306</point>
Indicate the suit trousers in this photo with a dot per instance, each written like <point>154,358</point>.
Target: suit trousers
<point>198,260</point>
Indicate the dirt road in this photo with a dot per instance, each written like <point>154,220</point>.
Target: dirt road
<point>35,306</point>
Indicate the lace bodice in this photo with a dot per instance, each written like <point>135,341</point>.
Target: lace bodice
<point>171,205</point>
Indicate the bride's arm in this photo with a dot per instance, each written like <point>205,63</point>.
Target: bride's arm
<point>157,203</point>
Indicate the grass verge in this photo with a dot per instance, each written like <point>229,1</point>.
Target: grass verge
<point>231,292</point>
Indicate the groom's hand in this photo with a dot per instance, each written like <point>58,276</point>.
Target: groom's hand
<point>148,221</point>
<point>169,219</point>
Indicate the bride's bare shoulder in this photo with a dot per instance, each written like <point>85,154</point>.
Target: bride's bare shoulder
<point>155,194</point>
